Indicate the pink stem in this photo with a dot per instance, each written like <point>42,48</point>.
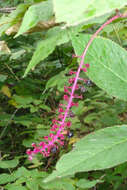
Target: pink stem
<point>82,61</point>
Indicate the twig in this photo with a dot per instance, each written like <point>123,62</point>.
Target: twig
<point>2,133</point>
<point>10,69</point>
<point>7,9</point>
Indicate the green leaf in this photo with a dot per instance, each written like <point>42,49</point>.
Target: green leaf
<point>44,48</point>
<point>54,81</point>
<point>22,172</point>
<point>84,183</point>
<point>39,12</point>
<point>102,149</point>
<point>79,109</point>
<point>17,55</point>
<point>14,17</point>
<point>55,36</point>
<point>9,163</point>
<point>32,184</point>
<point>36,174</point>
<point>75,12</point>
<point>15,187</point>
<point>61,184</point>
<point>20,181</point>
<point>45,107</point>
<point>23,100</point>
<point>17,14</point>
<point>6,178</point>
<point>3,78</point>
<point>107,64</point>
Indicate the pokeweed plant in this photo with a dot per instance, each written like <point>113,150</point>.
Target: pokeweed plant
<point>56,138</point>
<point>100,149</point>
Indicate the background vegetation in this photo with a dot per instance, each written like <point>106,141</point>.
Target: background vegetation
<point>43,34</point>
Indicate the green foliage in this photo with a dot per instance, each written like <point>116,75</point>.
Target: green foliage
<point>15,17</point>
<point>38,12</point>
<point>9,163</point>
<point>39,34</point>
<point>108,66</point>
<point>55,36</point>
<point>94,152</point>
<point>83,183</point>
<point>22,175</point>
<point>74,12</point>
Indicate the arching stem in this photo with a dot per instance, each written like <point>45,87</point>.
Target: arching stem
<point>83,59</point>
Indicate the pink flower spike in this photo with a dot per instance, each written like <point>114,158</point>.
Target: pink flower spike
<point>68,124</point>
<point>76,96</point>
<point>65,97</point>
<point>66,90</point>
<point>62,105</point>
<point>51,135</point>
<point>61,136</point>
<point>80,78</point>
<point>30,158</point>
<point>28,152</point>
<point>42,144</point>
<point>74,104</point>
<point>55,121</point>
<point>72,72</point>
<point>46,137</point>
<point>54,127</point>
<point>55,139</point>
<point>87,65</point>
<point>60,110</point>
<point>60,116</point>
<point>77,87</point>
<point>71,80</point>
<point>36,150</point>
<point>33,145</point>
<point>84,69</point>
<point>70,87</point>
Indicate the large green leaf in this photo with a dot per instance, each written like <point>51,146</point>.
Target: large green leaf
<point>102,149</point>
<point>7,21</point>
<point>107,64</point>
<point>15,187</point>
<point>6,178</point>
<point>84,183</point>
<point>32,184</point>
<point>39,12</point>
<point>54,37</point>
<point>61,184</point>
<point>54,81</point>
<point>9,163</point>
<point>75,12</point>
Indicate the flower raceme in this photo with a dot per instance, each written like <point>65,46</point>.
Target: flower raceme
<point>56,137</point>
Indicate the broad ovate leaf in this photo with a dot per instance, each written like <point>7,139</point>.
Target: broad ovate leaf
<point>9,163</point>
<point>39,12</point>
<point>108,65</point>
<point>55,36</point>
<point>99,150</point>
<point>77,11</point>
<point>85,183</point>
